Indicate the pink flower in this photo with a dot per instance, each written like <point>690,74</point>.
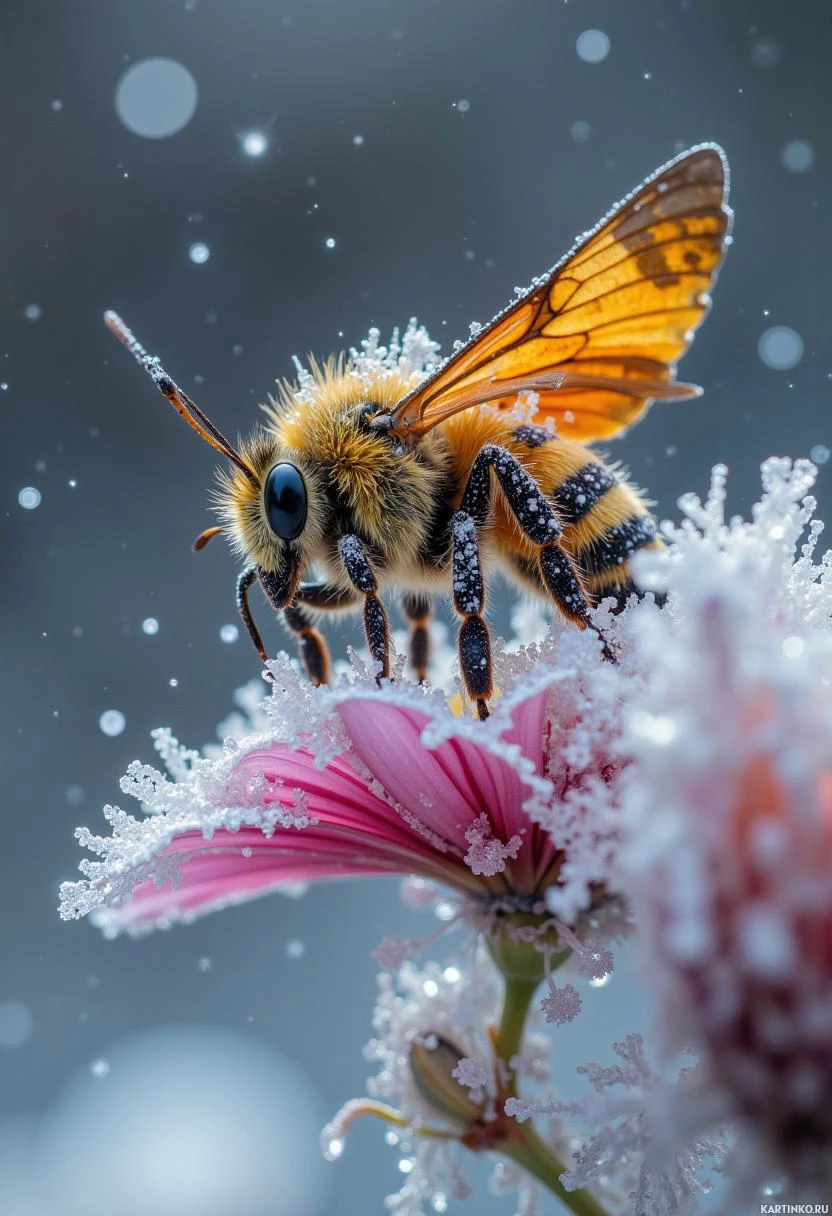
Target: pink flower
<point>348,781</point>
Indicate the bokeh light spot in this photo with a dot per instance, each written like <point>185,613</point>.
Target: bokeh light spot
<point>155,98</point>
<point>797,156</point>
<point>112,722</point>
<point>592,46</point>
<point>29,498</point>
<point>780,347</point>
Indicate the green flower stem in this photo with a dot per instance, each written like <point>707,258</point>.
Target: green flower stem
<point>516,1001</point>
<point>534,1155</point>
<point>525,1147</point>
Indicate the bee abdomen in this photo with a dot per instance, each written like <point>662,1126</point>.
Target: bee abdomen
<point>579,493</point>
<point>605,556</point>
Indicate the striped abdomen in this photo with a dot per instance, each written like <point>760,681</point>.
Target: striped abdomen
<point>605,520</point>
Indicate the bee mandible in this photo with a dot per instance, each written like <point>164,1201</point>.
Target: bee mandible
<point>380,483</point>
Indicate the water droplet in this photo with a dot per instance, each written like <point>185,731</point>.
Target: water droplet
<point>16,1023</point>
<point>793,647</point>
<point>592,46</point>
<point>100,1068</point>
<point>797,156</point>
<point>820,453</point>
<point>199,253</point>
<point>112,722</point>
<point>150,626</point>
<point>229,634</point>
<point>155,98</point>
<point>445,911</point>
<point>406,1165</point>
<point>601,981</point>
<point>780,347</point>
<point>334,1149</point>
<point>254,143</point>
<point>430,988</point>
<point>33,312</point>
<point>295,948</point>
<point>580,131</point>
<point>330,242</point>
<point>452,974</point>
<point>439,1202</point>
<point>29,498</point>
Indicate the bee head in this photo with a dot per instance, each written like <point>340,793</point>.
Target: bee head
<point>264,499</point>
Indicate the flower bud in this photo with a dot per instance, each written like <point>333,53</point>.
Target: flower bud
<point>432,1063</point>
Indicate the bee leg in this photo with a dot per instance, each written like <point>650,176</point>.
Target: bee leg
<point>417,610</point>
<point>538,520</point>
<point>473,642</point>
<point>321,597</point>
<point>312,648</point>
<point>376,626</point>
<point>249,576</point>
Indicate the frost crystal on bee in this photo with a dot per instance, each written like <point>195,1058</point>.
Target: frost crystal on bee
<point>378,472</point>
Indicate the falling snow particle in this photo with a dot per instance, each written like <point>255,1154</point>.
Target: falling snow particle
<point>330,242</point>
<point>112,722</point>
<point>57,105</point>
<point>74,794</point>
<point>765,53</point>
<point>150,626</point>
<point>229,634</point>
<point>463,106</point>
<point>199,253</point>
<point>33,312</point>
<point>295,948</point>
<point>100,1068</point>
<point>592,46</point>
<point>29,498</point>
<point>156,98</point>
<point>780,347</point>
<point>820,453</point>
<point>358,140</point>
<point>15,1023</point>
<point>204,964</point>
<point>254,143</point>
<point>580,131</point>
<point>797,156</point>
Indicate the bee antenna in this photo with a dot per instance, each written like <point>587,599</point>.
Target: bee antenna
<point>180,400</point>
<point>203,538</point>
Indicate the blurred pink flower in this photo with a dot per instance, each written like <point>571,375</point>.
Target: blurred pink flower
<point>353,781</point>
<point>731,822</point>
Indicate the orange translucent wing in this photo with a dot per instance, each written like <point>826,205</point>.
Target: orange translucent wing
<point>599,336</point>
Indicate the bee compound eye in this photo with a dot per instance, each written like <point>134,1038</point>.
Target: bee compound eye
<point>284,496</point>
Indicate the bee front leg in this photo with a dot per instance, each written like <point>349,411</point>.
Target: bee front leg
<point>321,597</point>
<point>417,610</point>
<point>376,626</point>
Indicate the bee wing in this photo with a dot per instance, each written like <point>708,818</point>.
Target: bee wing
<point>599,336</point>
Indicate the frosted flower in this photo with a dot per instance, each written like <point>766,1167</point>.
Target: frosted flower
<point>357,780</point>
<point>643,1173</point>
<point>730,810</point>
<point>440,1085</point>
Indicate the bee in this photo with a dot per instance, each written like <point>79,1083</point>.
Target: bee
<point>376,483</point>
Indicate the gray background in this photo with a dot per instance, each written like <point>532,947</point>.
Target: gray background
<point>438,213</point>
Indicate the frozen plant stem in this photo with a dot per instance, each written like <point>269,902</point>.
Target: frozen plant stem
<point>525,1147</point>
<point>518,997</point>
<point>534,1155</point>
